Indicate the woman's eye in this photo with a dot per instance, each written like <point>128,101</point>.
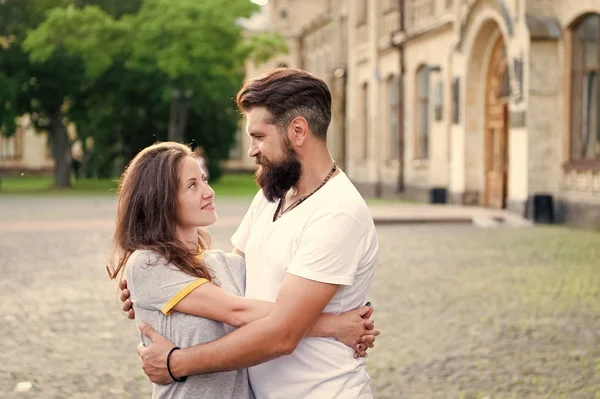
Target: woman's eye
<point>192,185</point>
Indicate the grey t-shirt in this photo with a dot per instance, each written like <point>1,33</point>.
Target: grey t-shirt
<point>156,287</point>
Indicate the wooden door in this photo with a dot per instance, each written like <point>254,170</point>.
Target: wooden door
<point>496,129</point>
<point>497,162</point>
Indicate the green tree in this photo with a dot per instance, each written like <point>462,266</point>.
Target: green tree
<point>196,47</point>
<point>40,89</point>
<point>120,113</point>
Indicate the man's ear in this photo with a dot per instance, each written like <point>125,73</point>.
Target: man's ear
<point>298,131</point>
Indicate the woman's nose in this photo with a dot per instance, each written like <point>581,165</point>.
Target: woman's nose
<point>208,193</point>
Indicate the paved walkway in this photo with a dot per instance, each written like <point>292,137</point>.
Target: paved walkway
<point>465,312</point>
<point>19,213</point>
<point>402,213</point>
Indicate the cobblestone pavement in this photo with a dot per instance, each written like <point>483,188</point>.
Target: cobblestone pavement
<point>465,312</point>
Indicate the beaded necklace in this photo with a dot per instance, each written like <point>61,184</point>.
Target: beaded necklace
<point>293,205</point>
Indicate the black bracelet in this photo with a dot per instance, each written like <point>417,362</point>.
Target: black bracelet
<point>182,379</point>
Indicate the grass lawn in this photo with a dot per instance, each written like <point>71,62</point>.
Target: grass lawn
<point>231,185</point>
<point>43,186</point>
<point>234,185</point>
<point>487,313</point>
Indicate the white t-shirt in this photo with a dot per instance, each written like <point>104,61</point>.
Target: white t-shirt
<point>330,238</point>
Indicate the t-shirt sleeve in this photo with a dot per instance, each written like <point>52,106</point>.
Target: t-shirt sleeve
<point>241,235</point>
<point>329,250</point>
<point>158,285</point>
<point>237,266</point>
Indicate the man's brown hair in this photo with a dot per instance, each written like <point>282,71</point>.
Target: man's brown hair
<point>288,93</point>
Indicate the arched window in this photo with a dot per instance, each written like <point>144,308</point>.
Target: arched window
<point>585,89</point>
<point>393,92</point>
<point>422,114</point>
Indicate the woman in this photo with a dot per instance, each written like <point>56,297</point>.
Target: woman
<point>184,291</point>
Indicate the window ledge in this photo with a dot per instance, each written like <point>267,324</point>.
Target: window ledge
<point>582,165</point>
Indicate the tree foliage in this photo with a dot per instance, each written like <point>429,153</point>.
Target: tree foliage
<point>39,89</point>
<point>129,73</point>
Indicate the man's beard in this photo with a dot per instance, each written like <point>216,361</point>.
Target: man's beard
<point>276,179</point>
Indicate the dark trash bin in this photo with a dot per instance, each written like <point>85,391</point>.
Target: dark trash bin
<point>541,209</point>
<point>438,195</point>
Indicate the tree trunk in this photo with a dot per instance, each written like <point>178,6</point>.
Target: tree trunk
<point>61,151</point>
<point>173,120</point>
<point>177,120</point>
<point>182,122</point>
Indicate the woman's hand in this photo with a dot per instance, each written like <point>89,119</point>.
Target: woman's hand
<point>355,329</point>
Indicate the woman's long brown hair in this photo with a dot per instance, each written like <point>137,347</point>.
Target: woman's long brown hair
<point>147,211</point>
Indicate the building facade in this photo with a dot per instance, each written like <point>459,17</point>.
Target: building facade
<point>25,152</point>
<point>482,102</point>
<point>511,93</point>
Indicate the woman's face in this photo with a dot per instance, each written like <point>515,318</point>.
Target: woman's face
<point>195,201</point>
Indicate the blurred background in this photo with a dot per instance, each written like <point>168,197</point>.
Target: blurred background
<point>472,128</point>
<point>443,101</point>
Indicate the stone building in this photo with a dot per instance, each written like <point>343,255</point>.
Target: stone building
<point>502,104</point>
<point>484,102</point>
<point>373,96</point>
<point>25,152</point>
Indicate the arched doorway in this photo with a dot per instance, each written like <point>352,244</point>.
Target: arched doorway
<point>496,128</point>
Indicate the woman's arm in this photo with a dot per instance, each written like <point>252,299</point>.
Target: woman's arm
<point>213,302</point>
<point>328,325</point>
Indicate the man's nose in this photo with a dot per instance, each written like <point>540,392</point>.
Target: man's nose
<point>252,152</point>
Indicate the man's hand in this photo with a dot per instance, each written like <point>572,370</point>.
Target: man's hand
<point>127,305</point>
<point>154,357</point>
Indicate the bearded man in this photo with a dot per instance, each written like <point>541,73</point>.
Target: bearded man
<point>310,246</point>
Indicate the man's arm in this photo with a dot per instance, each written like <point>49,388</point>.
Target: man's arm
<point>326,325</point>
<point>299,304</point>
